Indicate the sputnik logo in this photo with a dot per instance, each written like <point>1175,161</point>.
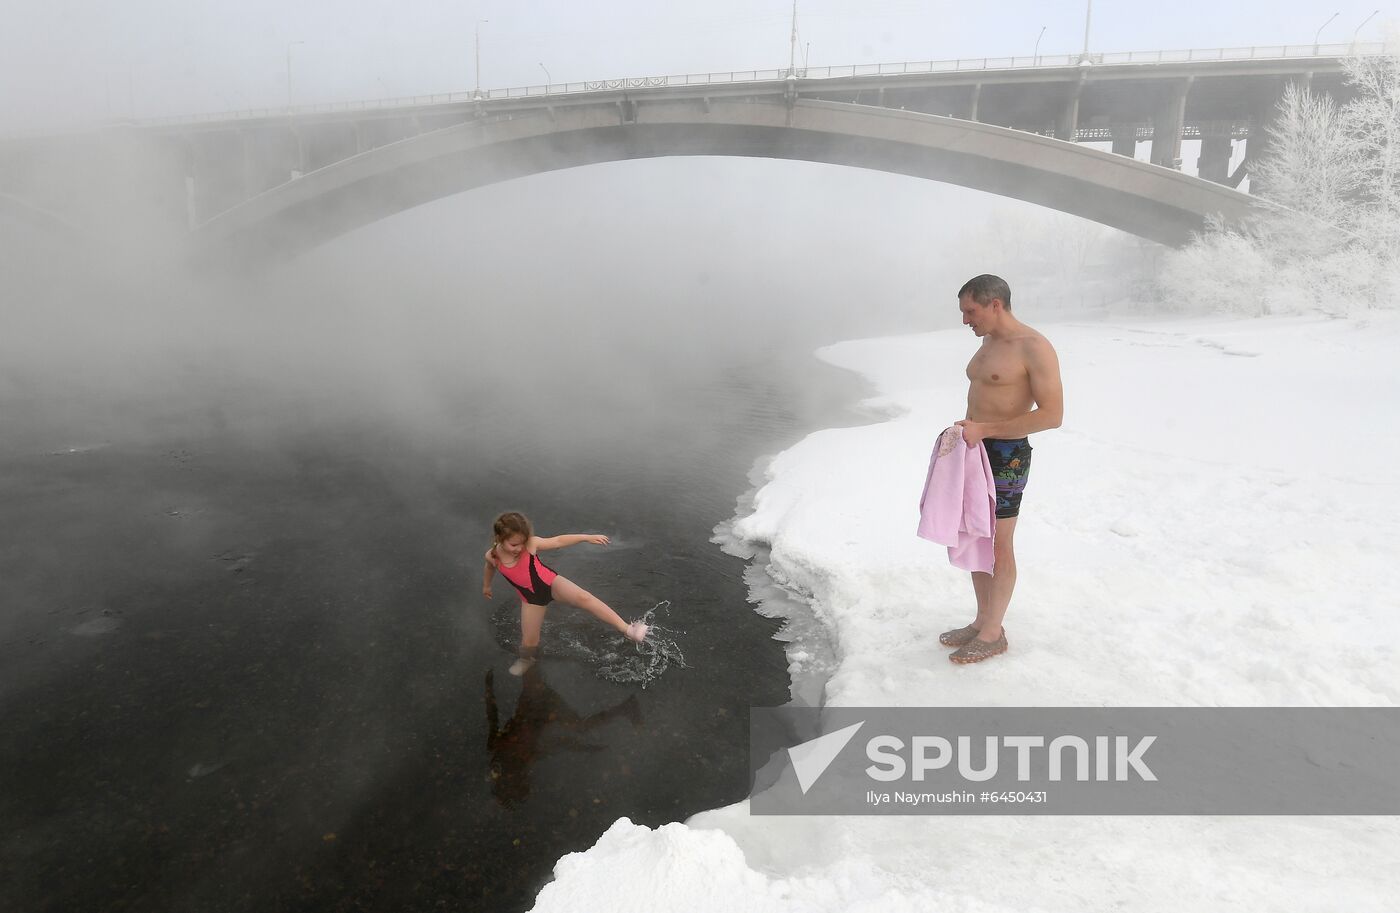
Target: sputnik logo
<point>811,759</point>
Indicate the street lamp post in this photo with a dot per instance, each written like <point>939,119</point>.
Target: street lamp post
<point>1319,31</point>
<point>547,79</point>
<point>1088,15</point>
<point>792,45</point>
<point>1036,53</point>
<point>477,92</point>
<point>1360,27</point>
<point>289,70</point>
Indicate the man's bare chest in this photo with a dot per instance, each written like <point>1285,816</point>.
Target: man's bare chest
<point>997,365</point>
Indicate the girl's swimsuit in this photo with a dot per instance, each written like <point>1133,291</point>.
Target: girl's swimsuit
<point>530,577</point>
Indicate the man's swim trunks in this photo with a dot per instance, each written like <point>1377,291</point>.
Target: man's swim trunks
<point>1011,464</point>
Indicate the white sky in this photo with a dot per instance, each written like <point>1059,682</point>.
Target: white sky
<point>74,61</point>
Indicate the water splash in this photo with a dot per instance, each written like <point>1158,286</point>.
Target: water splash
<point>644,663</point>
<point>611,656</point>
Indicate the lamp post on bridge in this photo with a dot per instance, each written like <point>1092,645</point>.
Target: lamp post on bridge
<point>1319,32</point>
<point>1360,27</point>
<point>1088,15</point>
<point>1035,55</point>
<point>289,71</point>
<point>547,78</point>
<point>792,45</point>
<point>477,92</point>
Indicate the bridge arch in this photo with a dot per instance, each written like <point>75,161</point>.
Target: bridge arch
<point>1146,200</point>
<point>35,217</point>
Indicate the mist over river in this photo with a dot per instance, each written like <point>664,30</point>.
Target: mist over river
<point>245,662</point>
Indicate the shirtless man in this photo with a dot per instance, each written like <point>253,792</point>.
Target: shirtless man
<point>1015,369</point>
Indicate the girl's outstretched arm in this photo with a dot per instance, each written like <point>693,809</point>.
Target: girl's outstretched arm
<point>571,539</point>
<point>488,572</point>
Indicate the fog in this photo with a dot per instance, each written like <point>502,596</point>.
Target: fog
<point>517,288</point>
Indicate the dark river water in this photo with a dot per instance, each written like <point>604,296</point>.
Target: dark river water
<point>245,661</point>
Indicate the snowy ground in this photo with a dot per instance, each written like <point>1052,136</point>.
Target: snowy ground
<point>1215,524</point>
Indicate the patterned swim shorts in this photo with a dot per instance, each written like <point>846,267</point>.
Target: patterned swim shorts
<point>1011,464</point>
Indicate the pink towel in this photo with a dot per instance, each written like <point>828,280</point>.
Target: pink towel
<point>959,504</point>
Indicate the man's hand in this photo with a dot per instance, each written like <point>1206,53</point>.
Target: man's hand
<point>596,540</point>
<point>973,432</point>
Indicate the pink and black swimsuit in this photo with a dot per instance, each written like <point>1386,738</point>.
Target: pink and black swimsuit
<point>530,576</point>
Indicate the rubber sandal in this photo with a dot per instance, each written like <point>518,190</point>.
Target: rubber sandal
<point>974,651</point>
<point>958,637</point>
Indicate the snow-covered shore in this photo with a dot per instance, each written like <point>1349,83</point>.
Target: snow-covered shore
<point>1214,525</point>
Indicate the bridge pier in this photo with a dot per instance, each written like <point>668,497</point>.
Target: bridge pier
<point>274,155</point>
<point>376,133</point>
<point>216,166</point>
<point>973,101</point>
<point>1216,150</point>
<point>1124,139</point>
<point>326,144</point>
<point>1068,122</point>
<point>300,168</point>
<point>1168,124</point>
<point>247,171</point>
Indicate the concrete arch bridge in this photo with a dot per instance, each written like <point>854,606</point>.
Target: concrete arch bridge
<point>276,182</point>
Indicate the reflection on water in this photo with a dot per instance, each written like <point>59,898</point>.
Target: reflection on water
<point>516,746</point>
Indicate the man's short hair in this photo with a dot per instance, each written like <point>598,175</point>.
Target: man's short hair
<point>982,289</point>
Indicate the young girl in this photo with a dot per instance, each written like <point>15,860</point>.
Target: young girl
<point>515,553</point>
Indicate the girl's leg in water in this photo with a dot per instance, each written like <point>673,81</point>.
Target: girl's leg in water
<point>565,590</point>
<point>531,617</point>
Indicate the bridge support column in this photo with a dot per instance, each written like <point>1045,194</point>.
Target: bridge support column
<point>1124,139</point>
<point>1068,123</point>
<point>300,168</point>
<point>1167,126</point>
<point>247,171</point>
<point>218,172</point>
<point>1214,163</point>
<point>974,101</point>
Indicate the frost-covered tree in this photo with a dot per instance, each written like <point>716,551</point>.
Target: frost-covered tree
<point>1332,244</point>
<point>1313,167</point>
<point>1371,123</point>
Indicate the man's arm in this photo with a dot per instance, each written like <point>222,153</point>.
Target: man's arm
<point>566,541</point>
<point>1043,366</point>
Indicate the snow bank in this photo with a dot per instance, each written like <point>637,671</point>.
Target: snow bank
<point>1214,525</point>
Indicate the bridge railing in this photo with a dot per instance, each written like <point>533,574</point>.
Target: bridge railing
<point>733,77</point>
